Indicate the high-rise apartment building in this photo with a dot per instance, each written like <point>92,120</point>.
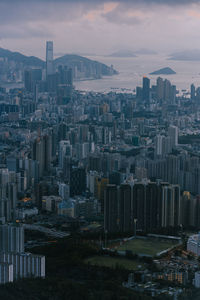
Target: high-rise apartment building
<point>173,134</point>
<point>152,205</point>
<point>12,238</point>
<point>111,220</point>
<point>125,208</point>
<point>14,262</point>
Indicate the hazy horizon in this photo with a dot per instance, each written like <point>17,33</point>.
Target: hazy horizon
<point>99,27</point>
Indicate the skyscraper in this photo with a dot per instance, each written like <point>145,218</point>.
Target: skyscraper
<point>160,88</point>
<point>146,89</point>
<point>167,90</point>
<point>11,238</point>
<point>49,58</point>
<point>170,205</point>
<point>173,134</point>
<point>125,209</point>
<point>192,91</point>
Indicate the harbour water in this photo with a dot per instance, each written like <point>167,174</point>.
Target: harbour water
<point>131,70</point>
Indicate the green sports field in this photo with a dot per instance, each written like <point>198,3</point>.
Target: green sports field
<point>148,246</point>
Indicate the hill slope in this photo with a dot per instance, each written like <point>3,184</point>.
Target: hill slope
<point>83,64</point>
<point>20,58</point>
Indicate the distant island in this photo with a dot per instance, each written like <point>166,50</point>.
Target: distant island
<point>189,55</point>
<point>123,53</point>
<point>145,51</point>
<point>164,71</point>
<point>132,53</point>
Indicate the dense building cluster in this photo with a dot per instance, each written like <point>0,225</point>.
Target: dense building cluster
<point>130,159</point>
<point>14,262</point>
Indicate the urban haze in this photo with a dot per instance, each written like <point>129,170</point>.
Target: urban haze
<point>99,150</point>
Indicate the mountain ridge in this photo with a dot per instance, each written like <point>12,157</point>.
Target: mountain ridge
<point>93,68</point>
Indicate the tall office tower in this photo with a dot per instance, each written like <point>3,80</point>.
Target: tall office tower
<point>139,93</point>
<point>146,89</point>
<point>38,153</point>
<point>77,181</point>
<point>111,222</point>
<point>173,134</point>
<point>66,168</point>
<point>42,152</point>
<point>12,238</point>
<point>192,92</point>
<point>62,131</point>
<point>173,94</point>
<point>70,76</point>
<point>48,151</point>
<point>83,133</point>
<point>65,75</point>
<point>28,80</point>
<point>160,88</point>
<point>12,163</point>
<point>31,78</point>
<point>64,149</point>
<point>49,59</point>
<point>64,84</point>
<point>125,209</point>
<point>158,145</point>
<point>36,92</point>
<point>167,90</point>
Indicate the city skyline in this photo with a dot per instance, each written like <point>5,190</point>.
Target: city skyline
<point>100,149</point>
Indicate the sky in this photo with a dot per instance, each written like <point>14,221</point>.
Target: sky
<point>99,26</point>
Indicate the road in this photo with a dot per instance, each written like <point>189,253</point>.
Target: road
<point>47,231</point>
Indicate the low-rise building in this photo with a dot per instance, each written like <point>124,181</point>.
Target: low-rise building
<point>6,273</point>
<point>24,264</point>
<point>193,244</point>
<point>197,280</point>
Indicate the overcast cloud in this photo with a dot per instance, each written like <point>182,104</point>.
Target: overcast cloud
<point>99,26</point>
